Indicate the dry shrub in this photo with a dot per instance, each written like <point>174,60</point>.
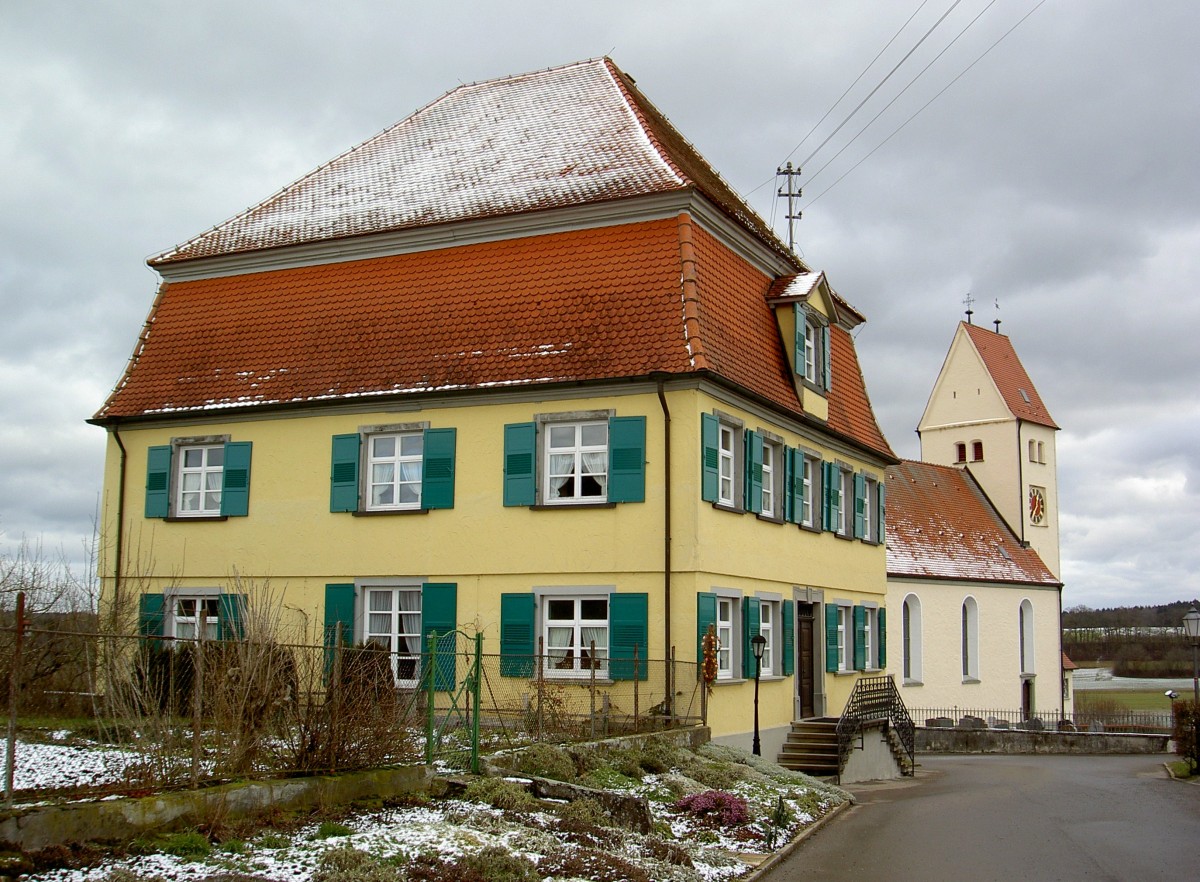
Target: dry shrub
<point>588,863</point>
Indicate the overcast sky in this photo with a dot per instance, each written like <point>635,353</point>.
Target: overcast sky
<point>1058,176</point>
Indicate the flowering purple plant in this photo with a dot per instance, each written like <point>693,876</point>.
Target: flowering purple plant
<point>715,807</point>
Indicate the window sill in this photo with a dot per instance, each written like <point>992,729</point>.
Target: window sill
<point>577,680</point>
<point>1028,676</point>
<point>568,506</point>
<point>721,506</point>
<point>908,682</point>
<point>186,519</point>
<point>840,673</point>
<point>810,528</point>
<point>771,519</point>
<point>971,681</point>
<point>385,512</point>
<point>729,681</point>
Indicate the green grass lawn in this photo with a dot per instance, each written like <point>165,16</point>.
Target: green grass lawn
<point>1127,699</point>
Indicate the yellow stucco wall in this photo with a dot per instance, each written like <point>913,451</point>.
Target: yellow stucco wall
<point>290,545</point>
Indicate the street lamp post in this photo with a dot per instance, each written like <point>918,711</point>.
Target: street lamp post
<point>1191,626</point>
<point>757,644</point>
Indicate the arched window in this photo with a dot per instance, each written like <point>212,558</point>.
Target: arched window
<point>911,635</point>
<point>1025,626</point>
<point>970,639</point>
<point>977,451</point>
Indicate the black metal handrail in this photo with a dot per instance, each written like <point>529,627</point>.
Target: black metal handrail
<point>874,699</point>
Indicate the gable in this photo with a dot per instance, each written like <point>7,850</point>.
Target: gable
<point>964,391</point>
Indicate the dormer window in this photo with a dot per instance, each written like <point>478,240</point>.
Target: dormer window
<point>812,348</point>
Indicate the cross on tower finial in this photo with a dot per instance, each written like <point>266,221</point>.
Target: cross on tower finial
<point>969,301</point>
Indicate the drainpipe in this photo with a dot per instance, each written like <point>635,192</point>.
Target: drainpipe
<point>119,544</point>
<point>662,401</point>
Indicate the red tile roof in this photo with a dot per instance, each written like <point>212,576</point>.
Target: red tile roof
<point>1067,664</point>
<point>1009,374</point>
<point>586,305</point>
<point>941,526</point>
<point>573,135</point>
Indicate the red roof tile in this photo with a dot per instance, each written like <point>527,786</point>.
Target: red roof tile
<point>1067,664</point>
<point>1009,374</point>
<point>941,526</point>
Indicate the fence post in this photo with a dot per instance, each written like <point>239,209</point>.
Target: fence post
<point>592,685</point>
<point>671,690</point>
<point>541,686</point>
<point>637,725</point>
<point>335,703</point>
<point>476,699</point>
<point>197,700</point>
<point>14,691</point>
<point>430,696</point>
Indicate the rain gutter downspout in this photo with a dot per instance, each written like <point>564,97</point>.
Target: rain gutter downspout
<point>119,544</point>
<point>662,401</point>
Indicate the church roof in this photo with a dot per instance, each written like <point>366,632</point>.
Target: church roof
<point>1001,361</point>
<point>940,525</point>
<point>573,135</point>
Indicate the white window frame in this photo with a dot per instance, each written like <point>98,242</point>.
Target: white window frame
<point>176,621</point>
<point>910,612</point>
<point>405,663</point>
<point>727,473</point>
<point>969,651</point>
<point>845,638</point>
<point>769,624</point>
<point>398,461</point>
<point>810,351</point>
<point>726,609</point>
<point>870,503</point>
<point>582,468</point>
<point>870,638</point>
<point>206,472</point>
<point>567,660</point>
<point>811,488</point>
<point>770,452</point>
<point>845,490</point>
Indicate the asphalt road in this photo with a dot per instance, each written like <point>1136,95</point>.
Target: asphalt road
<point>1010,818</point>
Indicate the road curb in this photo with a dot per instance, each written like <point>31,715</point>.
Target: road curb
<point>763,868</point>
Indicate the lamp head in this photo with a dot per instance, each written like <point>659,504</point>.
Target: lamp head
<point>1191,625</point>
<point>758,643</point>
<point>1171,694</point>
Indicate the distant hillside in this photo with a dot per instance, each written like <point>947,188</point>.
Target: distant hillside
<point>1169,615</point>
<point>1138,641</point>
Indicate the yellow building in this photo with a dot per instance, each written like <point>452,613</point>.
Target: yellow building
<point>523,365</point>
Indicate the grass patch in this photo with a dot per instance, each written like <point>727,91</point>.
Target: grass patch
<point>1101,700</point>
<point>1180,768</point>
<point>331,830</point>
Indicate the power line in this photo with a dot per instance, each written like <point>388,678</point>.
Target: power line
<point>930,101</point>
<point>834,105</point>
<point>922,72</point>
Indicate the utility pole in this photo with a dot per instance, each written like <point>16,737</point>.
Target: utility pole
<point>792,194</point>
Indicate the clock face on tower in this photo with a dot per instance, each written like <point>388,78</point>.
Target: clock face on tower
<point>1037,505</point>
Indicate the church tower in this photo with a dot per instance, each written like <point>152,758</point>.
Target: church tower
<point>985,415</point>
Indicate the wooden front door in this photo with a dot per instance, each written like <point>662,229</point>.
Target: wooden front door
<point>806,670</point>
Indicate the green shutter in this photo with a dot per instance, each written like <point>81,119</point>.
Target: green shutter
<point>860,638</point>
<point>826,360</point>
<point>158,481</point>
<point>343,473</point>
<point>754,471</point>
<point>520,452</point>
<point>627,459</point>
<point>789,637</point>
<point>628,627</point>
<point>794,485</point>
<point>860,506</point>
<point>710,444</point>
<point>437,469</point>
<point>439,615</point>
<point>235,480</point>
<point>339,614</point>
<point>829,508</point>
<point>751,624</point>
<point>801,319</point>
<point>706,615</point>
<point>831,641</point>
<point>881,516</point>
<point>230,608</point>
<point>518,646</point>
<point>882,640</point>
<point>150,615</point>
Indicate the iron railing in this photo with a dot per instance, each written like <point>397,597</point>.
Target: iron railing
<point>875,700</point>
<point>1115,721</point>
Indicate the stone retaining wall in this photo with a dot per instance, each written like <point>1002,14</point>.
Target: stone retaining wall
<point>1018,741</point>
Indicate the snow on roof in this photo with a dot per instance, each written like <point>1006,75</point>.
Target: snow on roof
<point>940,525</point>
<point>571,135</point>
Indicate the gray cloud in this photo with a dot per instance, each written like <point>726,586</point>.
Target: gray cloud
<point>1056,176</point>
